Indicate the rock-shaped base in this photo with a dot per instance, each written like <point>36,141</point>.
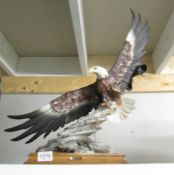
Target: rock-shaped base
<point>75,147</point>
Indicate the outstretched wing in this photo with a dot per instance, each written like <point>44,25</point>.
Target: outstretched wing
<point>62,110</point>
<point>131,53</point>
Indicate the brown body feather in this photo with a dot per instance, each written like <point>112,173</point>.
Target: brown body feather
<point>72,99</point>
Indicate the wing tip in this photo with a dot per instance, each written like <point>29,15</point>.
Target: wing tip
<point>27,142</point>
<point>132,12</point>
<point>18,139</point>
<point>10,129</point>
<point>11,116</point>
<point>7,130</point>
<point>18,117</point>
<point>15,139</point>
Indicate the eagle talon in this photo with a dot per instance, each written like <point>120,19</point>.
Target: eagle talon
<point>106,104</point>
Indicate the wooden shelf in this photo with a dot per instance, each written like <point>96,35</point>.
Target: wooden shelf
<point>73,158</point>
<point>144,83</point>
<point>148,82</point>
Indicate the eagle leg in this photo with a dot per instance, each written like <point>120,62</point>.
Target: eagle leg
<point>117,97</point>
<point>106,100</point>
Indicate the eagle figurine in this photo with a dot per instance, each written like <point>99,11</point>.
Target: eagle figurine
<point>109,87</point>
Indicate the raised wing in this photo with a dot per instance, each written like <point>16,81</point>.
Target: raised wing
<point>62,110</point>
<point>131,53</point>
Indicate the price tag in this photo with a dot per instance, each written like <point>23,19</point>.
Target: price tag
<point>45,156</point>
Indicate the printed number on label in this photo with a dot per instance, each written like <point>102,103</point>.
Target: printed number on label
<point>45,156</point>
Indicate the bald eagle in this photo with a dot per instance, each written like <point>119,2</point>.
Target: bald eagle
<point>109,86</point>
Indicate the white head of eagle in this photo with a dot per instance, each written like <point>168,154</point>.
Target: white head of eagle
<point>101,72</point>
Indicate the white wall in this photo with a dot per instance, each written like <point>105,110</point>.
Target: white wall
<point>146,137</point>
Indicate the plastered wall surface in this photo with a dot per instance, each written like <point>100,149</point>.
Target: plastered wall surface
<point>146,137</point>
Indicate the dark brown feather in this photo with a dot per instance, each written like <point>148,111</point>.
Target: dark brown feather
<point>131,53</point>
